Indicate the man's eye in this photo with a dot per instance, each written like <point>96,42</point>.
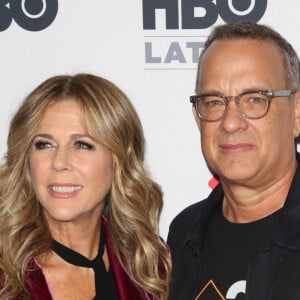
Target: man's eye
<point>256,100</point>
<point>42,145</point>
<point>83,145</point>
<point>213,102</point>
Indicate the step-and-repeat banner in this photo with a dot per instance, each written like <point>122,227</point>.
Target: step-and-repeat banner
<point>149,48</point>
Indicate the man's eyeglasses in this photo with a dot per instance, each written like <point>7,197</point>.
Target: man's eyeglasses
<point>251,104</point>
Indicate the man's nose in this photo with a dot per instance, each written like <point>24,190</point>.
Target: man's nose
<point>233,119</point>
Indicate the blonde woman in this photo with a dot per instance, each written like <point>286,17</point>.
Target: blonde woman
<point>78,211</point>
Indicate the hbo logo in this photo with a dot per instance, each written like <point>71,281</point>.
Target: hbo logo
<point>32,15</point>
<point>228,10</point>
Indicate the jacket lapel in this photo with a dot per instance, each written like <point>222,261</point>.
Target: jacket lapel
<point>36,283</point>
<point>127,290</point>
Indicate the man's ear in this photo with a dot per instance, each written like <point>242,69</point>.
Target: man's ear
<point>196,116</point>
<point>297,114</point>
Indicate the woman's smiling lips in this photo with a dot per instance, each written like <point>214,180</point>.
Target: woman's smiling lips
<point>64,190</point>
<point>235,148</point>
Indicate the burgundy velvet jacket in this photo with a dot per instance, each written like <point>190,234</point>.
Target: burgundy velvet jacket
<point>127,290</point>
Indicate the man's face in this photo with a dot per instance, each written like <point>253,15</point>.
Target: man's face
<point>239,150</point>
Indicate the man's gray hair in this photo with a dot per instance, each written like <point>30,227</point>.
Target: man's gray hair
<point>255,31</point>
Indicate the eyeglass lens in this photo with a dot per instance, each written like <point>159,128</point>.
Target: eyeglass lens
<point>252,105</point>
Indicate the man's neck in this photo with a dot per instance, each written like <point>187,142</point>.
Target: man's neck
<point>243,204</point>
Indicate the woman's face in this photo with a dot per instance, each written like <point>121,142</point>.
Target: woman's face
<point>71,172</point>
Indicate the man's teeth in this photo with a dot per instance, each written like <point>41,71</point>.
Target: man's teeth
<point>65,189</point>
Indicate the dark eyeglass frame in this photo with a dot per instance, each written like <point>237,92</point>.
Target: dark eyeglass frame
<point>270,94</point>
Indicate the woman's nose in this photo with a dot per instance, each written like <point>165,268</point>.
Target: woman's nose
<point>61,160</point>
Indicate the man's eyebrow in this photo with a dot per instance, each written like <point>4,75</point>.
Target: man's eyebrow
<point>255,88</point>
<point>250,89</point>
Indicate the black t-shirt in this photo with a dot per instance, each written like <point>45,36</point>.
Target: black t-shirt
<point>227,250</point>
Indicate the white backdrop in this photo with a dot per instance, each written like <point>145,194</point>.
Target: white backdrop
<point>156,68</point>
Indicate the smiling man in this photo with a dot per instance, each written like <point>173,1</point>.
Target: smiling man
<point>243,241</point>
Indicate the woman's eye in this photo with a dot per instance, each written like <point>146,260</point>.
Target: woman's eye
<point>83,145</point>
<point>42,145</point>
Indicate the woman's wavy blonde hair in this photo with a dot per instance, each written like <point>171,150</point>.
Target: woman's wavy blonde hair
<point>134,203</point>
